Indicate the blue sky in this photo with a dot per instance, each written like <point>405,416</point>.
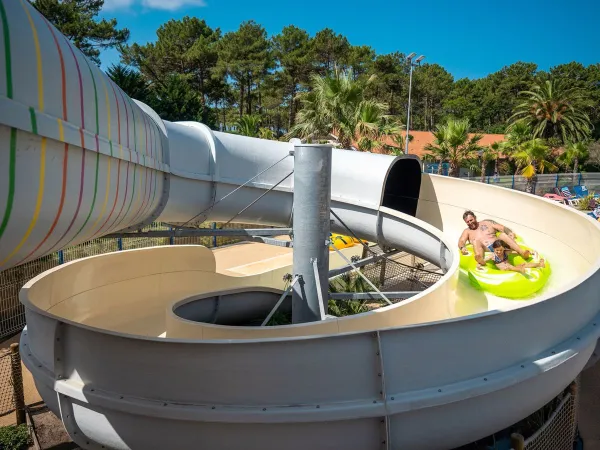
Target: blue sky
<point>470,38</point>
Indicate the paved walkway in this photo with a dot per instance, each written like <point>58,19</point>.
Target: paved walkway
<point>30,392</point>
<point>589,408</point>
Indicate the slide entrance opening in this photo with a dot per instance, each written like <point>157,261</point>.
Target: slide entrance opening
<point>402,186</point>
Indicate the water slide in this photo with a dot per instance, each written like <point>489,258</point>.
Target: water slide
<point>126,348</point>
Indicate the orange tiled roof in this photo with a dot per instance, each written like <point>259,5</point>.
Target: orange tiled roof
<point>422,138</point>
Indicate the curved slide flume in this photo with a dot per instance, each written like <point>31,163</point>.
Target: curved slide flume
<point>113,355</point>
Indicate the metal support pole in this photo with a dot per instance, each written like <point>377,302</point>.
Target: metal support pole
<point>279,302</point>
<point>214,239</point>
<point>312,199</point>
<point>408,114</point>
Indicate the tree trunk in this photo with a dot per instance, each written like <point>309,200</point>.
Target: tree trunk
<point>496,166</point>
<point>482,169</point>
<point>224,115</point>
<point>241,98</point>
<point>441,167</point>
<point>431,124</point>
<point>529,187</point>
<point>426,109</point>
<point>202,94</point>
<point>259,101</point>
<point>249,95</point>
<point>454,169</point>
<point>575,167</point>
<point>291,112</point>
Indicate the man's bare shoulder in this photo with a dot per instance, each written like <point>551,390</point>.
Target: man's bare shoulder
<point>469,232</point>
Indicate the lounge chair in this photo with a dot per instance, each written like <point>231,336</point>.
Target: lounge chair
<point>566,193</point>
<point>582,191</point>
<point>556,198</point>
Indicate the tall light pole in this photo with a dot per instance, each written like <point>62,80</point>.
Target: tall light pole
<point>412,64</point>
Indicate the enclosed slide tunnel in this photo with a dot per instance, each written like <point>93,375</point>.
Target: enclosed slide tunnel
<point>113,357</point>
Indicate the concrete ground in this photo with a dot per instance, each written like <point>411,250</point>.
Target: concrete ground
<point>589,408</point>
<point>31,394</point>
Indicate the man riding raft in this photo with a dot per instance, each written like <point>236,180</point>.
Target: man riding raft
<point>483,237</point>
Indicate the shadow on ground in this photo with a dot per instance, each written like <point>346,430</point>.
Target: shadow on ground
<point>49,429</point>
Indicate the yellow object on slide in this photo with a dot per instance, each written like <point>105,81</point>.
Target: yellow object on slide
<point>340,241</point>
<point>504,283</point>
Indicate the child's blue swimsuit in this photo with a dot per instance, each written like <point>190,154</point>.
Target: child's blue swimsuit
<point>498,260</point>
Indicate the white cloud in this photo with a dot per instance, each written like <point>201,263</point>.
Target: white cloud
<point>111,5</point>
<point>172,5</point>
<point>167,5</point>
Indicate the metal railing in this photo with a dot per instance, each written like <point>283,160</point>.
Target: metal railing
<point>545,182</point>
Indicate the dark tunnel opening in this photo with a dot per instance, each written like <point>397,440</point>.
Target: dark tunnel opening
<point>403,185</point>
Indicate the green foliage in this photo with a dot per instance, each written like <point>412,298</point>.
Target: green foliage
<point>280,318</point>
<point>593,161</point>
<point>532,158</point>
<point>247,72</point>
<point>245,57</point>
<point>432,84</point>
<point>454,143</point>
<point>587,203</point>
<point>336,107</point>
<point>330,51</point>
<point>554,109</point>
<point>348,282</point>
<point>293,52</point>
<point>574,154</point>
<point>248,125</point>
<point>133,83</point>
<point>76,19</point>
<point>14,437</point>
<point>176,100</point>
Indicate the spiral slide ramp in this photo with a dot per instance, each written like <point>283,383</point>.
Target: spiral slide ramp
<point>110,339</point>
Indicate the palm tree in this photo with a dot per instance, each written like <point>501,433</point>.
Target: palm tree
<point>399,140</point>
<point>453,143</point>
<point>496,150</point>
<point>553,110</point>
<point>266,133</point>
<point>518,133</point>
<point>574,153</point>
<point>532,157</point>
<point>248,125</point>
<point>437,153</point>
<point>335,107</point>
<point>132,82</point>
<point>487,154</point>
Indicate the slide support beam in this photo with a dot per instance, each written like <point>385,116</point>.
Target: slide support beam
<point>311,228</point>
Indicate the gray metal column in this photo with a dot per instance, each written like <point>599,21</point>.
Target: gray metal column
<point>312,198</point>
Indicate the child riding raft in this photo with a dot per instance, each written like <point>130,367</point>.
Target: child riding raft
<point>500,258</point>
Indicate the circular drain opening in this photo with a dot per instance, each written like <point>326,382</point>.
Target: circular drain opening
<point>239,307</point>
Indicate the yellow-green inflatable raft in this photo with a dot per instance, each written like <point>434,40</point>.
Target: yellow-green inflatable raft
<point>502,283</point>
